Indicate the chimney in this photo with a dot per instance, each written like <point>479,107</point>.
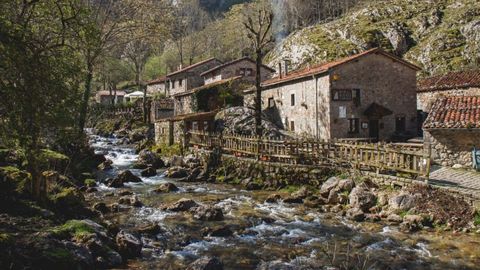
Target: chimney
<point>280,70</point>
<point>286,64</point>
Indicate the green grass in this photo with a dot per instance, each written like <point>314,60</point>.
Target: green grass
<point>476,218</point>
<point>290,188</point>
<point>167,150</point>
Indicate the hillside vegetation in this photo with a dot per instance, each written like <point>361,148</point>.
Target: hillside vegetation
<point>439,36</point>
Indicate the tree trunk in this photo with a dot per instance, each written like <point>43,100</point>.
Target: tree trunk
<point>258,96</point>
<point>86,97</point>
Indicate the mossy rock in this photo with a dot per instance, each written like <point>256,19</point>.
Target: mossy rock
<point>13,179</point>
<point>73,228</point>
<point>69,201</point>
<point>6,239</point>
<point>51,160</point>
<point>90,182</point>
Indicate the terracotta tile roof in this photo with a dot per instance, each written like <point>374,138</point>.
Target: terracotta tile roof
<point>321,68</point>
<point>157,81</point>
<point>454,112</point>
<point>453,80</point>
<point>193,66</point>
<point>207,86</point>
<point>234,62</point>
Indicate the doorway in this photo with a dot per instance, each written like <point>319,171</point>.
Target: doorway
<point>373,129</point>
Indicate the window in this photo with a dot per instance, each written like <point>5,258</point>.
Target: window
<point>241,72</point>
<point>292,99</point>
<point>356,97</point>
<point>249,72</point>
<point>271,102</point>
<point>180,82</point>
<point>205,126</point>
<point>194,126</point>
<point>342,95</point>
<point>292,125</point>
<point>400,124</point>
<point>353,125</point>
<point>173,84</point>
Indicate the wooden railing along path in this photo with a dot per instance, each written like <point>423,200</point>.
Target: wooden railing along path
<point>380,157</point>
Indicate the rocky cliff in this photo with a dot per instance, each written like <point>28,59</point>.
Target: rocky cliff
<point>437,35</point>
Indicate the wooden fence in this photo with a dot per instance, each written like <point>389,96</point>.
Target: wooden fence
<point>411,159</point>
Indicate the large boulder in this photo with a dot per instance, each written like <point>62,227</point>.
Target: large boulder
<point>362,198</point>
<point>128,245</point>
<point>402,202</point>
<point>149,158</point>
<point>241,120</point>
<point>130,200</point>
<point>208,213</point>
<point>206,263</point>
<point>182,205</point>
<point>330,184</point>
<point>149,172</point>
<point>412,223</point>
<point>121,178</point>
<point>302,193</point>
<point>221,231</point>
<point>165,188</point>
<point>106,165</point>
<point>176,172</point>
<point>355,214</point>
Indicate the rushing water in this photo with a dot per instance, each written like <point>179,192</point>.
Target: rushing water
<point>270,235</point>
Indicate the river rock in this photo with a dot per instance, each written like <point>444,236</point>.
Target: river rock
<point>330,184</point>
<point>291,199</point>
<point>120,179</point>
<point>412,223</point>
<point>206,263</point>
<point>403,202</point>
<point>355,214</point>
<point>345,185</point>
<point>250,184</point>
<point>151,159</point>
<point>139,166</point>
<point>195,175</point>
<point>101,207</point>
<point>333,197</point>
<point>362,198</point>
<point>124,192</point>
<point>128,245</point>
<point>166,188</point>
<point>106,165</point>
<point>149,172</point>
<point>148,229</point>
<point>80,254</point>
<point>208,213</point>
<point>176,161</point>
<point>182,205</point>
<point>302,193</point>
<point>130,200</point>
<point>222,231</point>
<point>394,218</point>
<point>177,172</point>
<point>273,198</point>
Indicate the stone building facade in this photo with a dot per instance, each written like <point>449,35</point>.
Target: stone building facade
<point>367,95</point>
<point>189,77</point>
<point>243,67</point>
<point>104,97</point>
<point>158,86</point>
<point>452,129</point>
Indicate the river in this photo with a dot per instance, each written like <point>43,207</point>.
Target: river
<point>270,235</point>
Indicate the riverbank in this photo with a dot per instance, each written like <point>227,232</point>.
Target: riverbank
<point>178,220</point>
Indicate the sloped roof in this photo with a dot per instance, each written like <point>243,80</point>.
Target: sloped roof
<point>200,116</point>
<point>452,80</point>
<point>321,68</point>
<point>207,86</point>
<point>157,81</point>
<point>454,112</point>
<point>234,62</point>
<point>193,66</point>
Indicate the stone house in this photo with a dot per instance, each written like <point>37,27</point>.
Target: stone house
<point>106,98</point>
<point>452,129</point>
<point>158,86</point>
<point>189,77</point>
<point>242,67</point>
<point>368,95</point>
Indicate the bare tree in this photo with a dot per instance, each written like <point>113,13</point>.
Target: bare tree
<point>258,24</point>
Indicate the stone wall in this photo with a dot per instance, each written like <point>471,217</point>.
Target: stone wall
<point>425,99</point>
<point>452,146</point>
<point>157,88</point>
<point>163,132</point>
<point>184,104</point>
